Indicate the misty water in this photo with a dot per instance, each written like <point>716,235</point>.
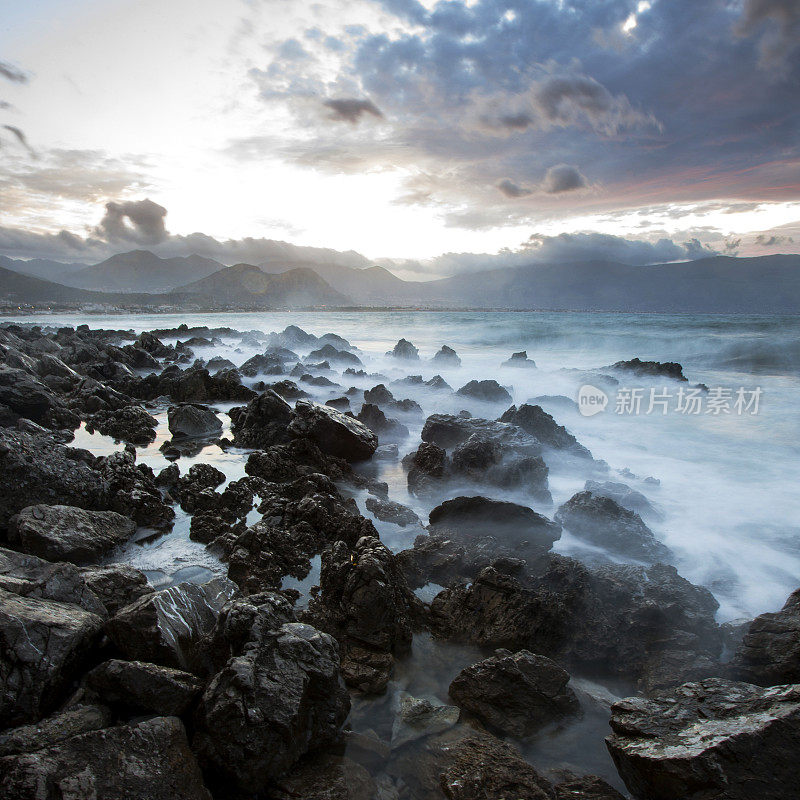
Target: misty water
<point>724,486</point>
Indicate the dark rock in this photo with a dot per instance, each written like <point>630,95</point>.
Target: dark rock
<point>140,686</point>
<point>288,390</point>
<point>426,466</point>
<point>389,511</point>
<point>603,522</point>
<point>715,740</point>
<point>439,384</point>
<point>770,651</point>
<point>326,777</point>
<point>26,396</point>
<point>387,429</point>
<point>378,395</point>
<point>669,369</point>
<point>164,626</point>
<point>446,357</point>
<point>405,350</point>
<point>66,533</point>
<point>339,403</point>
<point>515,693</point>
<point>449,431</point>
<point>489,391</point>
<point>539,424</point>
<point>520,360</point>
<point>189,488</point>
<point>333,356</point>
<point>319,380</point>
<point>116,585</point>
<point>622,494</point>
<point>193,385</point>
<point>149,760</point>
<point>333,432</point>
<point>153,345</point>
<point>191,420</point>
<point>43,645</point>
<point>267,364</point>
<point>263,422</point>
<point>218,363</point>
<point>129,424</point>
<point>589,787</point>
<point>418,718</point>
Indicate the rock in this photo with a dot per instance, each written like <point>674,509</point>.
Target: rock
<point>449,431</point>
<point>149,760</point>
<point>288,390</point>
<point>218,363</point>
<point>603,522</point>
<point>333,432</point>
<point>66,533</point>
<point>271,705</point>
<point>164,626</point>
<point>191,420</point>
<point>387,452</point>
<point>520,360</point>
<point>153,345</point>
<point>715,740</point>
<point>374,419</point>
<point>140,686</point>
<point>326,777</point>
<point>770,650</point>
<point>266,364</point>
<point>43,645</point>
<point>446,357</point>
<point>25,395</point>
<point>378,395</point>
<point>539,424</point>
<point>509,521</point>
<point>589,787</point>
<point>116,585</point>
<point>34,468</point>
<point>426,466</point>
<point>333,356</point>
<point>438,384</point>
<point>263,422</point>
<point>669,369</point>
<point>515,694</point>
<point>489,391</point>
<point>389,511</point>
<point>418,718</point>
<point>54,729</point>
<point>193,385</point>
<point>622,494</point>
<point>128,424</point>
<point>339,403</point>
<point>190,489</point>
<point>405,350</point>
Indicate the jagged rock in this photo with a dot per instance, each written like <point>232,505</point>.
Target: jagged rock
<point>374,419</point>
<point>142,686</point>
<point>438,384</point>
<point>405,350</point>
<point>190,488</point>
<point>770,650</point>
<point>489,391</point>
<point>389,511</point>
<point>288,390</point>
<point>448,431</point>
<point>218,363</point>
<point>149,760</point>
<point>153,345</point>
<point>669,369</point>
<point>263,364</point>
<point>128,424</point>
<point>603,522</point>
<point>333,356</point>
<point>539,424</point>
<point>66,533</point>
<point>271,705</point>
<point>622,494</point>
<point>446,357</point>
<point>35,468</point>
<point>378,395</point>
<point>333,432</point>
<point>417,718</point>
<point>339,403</point>
<point>43,645</point>
<point>164,626</point>
<point>715,740</point>
<point>520,360</point>
<point>191,420</point>
<point>287,462</point>
<point>116,585</point>
<point>515,693</point>
<point>263,422</point>
<point>326,777</point>
<point>426,466</point>
<point>54,729</point>
<point>193,385</point>
<point>25,395</point>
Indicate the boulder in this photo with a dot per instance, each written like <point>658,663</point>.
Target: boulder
<point>325,776</point>
<point>271,705</point>
<point>588,787</point>
<point>149,760</point>
<point>378,395</point>
<point>385,428</point>
<point>604,523</point>
<point>163,627</point>
<point>539,424</point>
<point>389,511</point>
<point>489,391</point>
<point>770,650</point>
<point>448,431</point>
<point>128,424</point>
<point>622,494</point>
<point>192,420</point>
<point>140,686</point>
<point>404,350</point>
<point>333,356</point>
<point>446,357</point>
<point>288,390</point>
<point>66,533</point>
<point>520,360</point>
<point>714,739</point>
<point>263,422</point>
<point>426,467</point>
<point>116,585</point>
<point>516,694</point>
<point>669,369</point>
<point>266,364</point>
<point>43,646</point>
<point>418,718</point>
<point>333,432</point>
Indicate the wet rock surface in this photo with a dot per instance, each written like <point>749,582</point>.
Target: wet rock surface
<point>334,433</point>
<point>191,420</point>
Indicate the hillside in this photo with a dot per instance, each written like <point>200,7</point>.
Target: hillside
<point>41,268</point>
<point>25,289</point>
<point>248,285</point>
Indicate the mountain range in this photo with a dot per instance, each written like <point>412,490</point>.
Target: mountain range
<point>716,284</point>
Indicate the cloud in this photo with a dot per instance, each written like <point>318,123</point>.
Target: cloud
<point>351,109</point>
<point>511,189</point>
<point>778,22</point>
<point>773,241</point>
<point>146,220</point>
<point>563,178</point>
<point>20,137</point>
<point>12,73</point>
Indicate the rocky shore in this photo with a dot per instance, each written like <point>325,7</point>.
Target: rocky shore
<point>288,670</point>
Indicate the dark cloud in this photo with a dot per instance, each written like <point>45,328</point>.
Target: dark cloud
<point>778,24</point>
<point>12,73</point>
<point>563,178</point>
<point>511,189</point>
<point>20,137</point>
<point>351,109</point>
<point>773,241</point>
<point>146,218</point>
<point>292,50</point>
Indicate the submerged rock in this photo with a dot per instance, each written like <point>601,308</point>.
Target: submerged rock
<point>668,369</point>
<point>389,511</point>
<point>192,420</point>
<point>417,718</point>
<point>333,432</point>
<point>489,391</point>
<point>520,360</point>
<point>66,533</point>
<point>715,740</point>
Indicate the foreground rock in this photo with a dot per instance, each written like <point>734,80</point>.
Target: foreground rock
<point>333,432</point>
<point>325,776</point>
<point>715,740</point>
<point>539,424</point>
<point>128,424</point>
<point>65,533</point>
<point>515,694</point>
<point>770,651</point>
<point>191,420</point>
<point>263,422</point>
<point>150,760</point>
<point>604,523</point>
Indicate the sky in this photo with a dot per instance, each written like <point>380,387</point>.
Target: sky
<point>433,137</point>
